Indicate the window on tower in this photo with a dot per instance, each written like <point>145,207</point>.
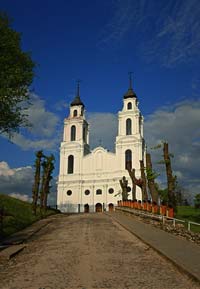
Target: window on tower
<point>75,112</point>
<point>73,133</point>
<point>129,105</point>
<point>84,134</point>
<point>128,126</point>
<point>128,159</point>
<point>70,169</point>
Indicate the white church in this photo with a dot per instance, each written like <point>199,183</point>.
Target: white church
<point>89,179</point>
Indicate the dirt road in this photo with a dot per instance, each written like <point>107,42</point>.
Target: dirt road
<point>89,251</point>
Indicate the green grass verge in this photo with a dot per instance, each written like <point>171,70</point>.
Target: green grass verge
<point>189,213</point>
<point>19,214</point>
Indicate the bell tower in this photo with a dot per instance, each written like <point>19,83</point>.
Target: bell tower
<point>129,141</point>
<point>75,138</point>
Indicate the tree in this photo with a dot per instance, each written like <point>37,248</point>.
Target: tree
<point>197,201</point>
<point>16,75</point>
<point>151,176</point>
<point>133,179</point>
<point>144,182</point>
<point>171,180</point>
<point>36,185</point>
<point>48,167</point>
<point>124,185</point>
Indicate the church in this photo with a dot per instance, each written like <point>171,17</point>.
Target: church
<point>89,179</point>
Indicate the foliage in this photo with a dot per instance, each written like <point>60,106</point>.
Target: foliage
<point>18,214</point>
<point>151,175</point>
<point>163,194</point>
<point>16,75</point>
<point>197,201</point>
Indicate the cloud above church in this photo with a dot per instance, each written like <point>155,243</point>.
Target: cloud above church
<point>103,129</point>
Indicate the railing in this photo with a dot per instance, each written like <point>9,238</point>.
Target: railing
<point>193,223</point>
<point>153,213</point>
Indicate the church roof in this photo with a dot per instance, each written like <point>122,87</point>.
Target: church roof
<point>130,93</point>
<point>77,100</point>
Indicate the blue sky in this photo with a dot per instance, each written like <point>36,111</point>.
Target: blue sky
<point>99,42</point>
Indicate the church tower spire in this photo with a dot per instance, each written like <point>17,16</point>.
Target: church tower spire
<point>130,93</point>
<point>77,99</point>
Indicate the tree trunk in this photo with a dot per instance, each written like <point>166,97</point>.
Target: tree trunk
<point>36,184</point>
<point>133,179</point>
<point>151,182</point>
<point>170,177</point>
<point>144,182</point>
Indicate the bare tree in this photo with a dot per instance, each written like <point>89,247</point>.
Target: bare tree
<point>124,185</point>
<point>144,182</point>
<point>151,179</point>
<point>171,180</point>
<point>48,167</point>
<point>36,185</point>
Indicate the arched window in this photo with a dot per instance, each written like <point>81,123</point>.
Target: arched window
<point>75,112</point>
<point>128,126</point>
<point>129,105</point>
<point>128,159</point>
<point>73,133</point>
<point>84,134</point>
<point>70,169</point>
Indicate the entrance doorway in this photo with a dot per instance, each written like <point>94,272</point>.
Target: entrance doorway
<point>98,207</point>
<point>111,207</point>
<point>86,208</point>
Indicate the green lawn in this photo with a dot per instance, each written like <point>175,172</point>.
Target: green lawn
<point>19,214</point>
<point>189,213</point>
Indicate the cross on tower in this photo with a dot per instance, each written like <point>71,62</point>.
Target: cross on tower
<point>130,79</point>
<point>78,87</point>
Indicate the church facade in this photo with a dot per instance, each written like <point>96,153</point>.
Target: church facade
<point>89,179</point>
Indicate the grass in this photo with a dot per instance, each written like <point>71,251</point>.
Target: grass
<point>189,213</point>
<point>18,214</point>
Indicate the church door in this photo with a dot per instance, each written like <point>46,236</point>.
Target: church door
<point>86,208</point>
<point>98,207</point>
<point>111,207</point>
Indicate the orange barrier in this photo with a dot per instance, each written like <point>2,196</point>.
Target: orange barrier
<point>163,210</point>
<point>144,206</point>
<point>154,209</point>
<point>170,212</point>
<point>148,206</point>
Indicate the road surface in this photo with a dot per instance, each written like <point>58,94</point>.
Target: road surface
<point>89,251</point>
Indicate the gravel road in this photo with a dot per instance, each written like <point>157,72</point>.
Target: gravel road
<point>89,251</point>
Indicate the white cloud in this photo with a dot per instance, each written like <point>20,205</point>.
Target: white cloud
<point>179,126</point>
<point>45,130</point>
<point>164,31</point>
<point>18,182</point>
<point>25,198</point>
<point>5,170</point>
